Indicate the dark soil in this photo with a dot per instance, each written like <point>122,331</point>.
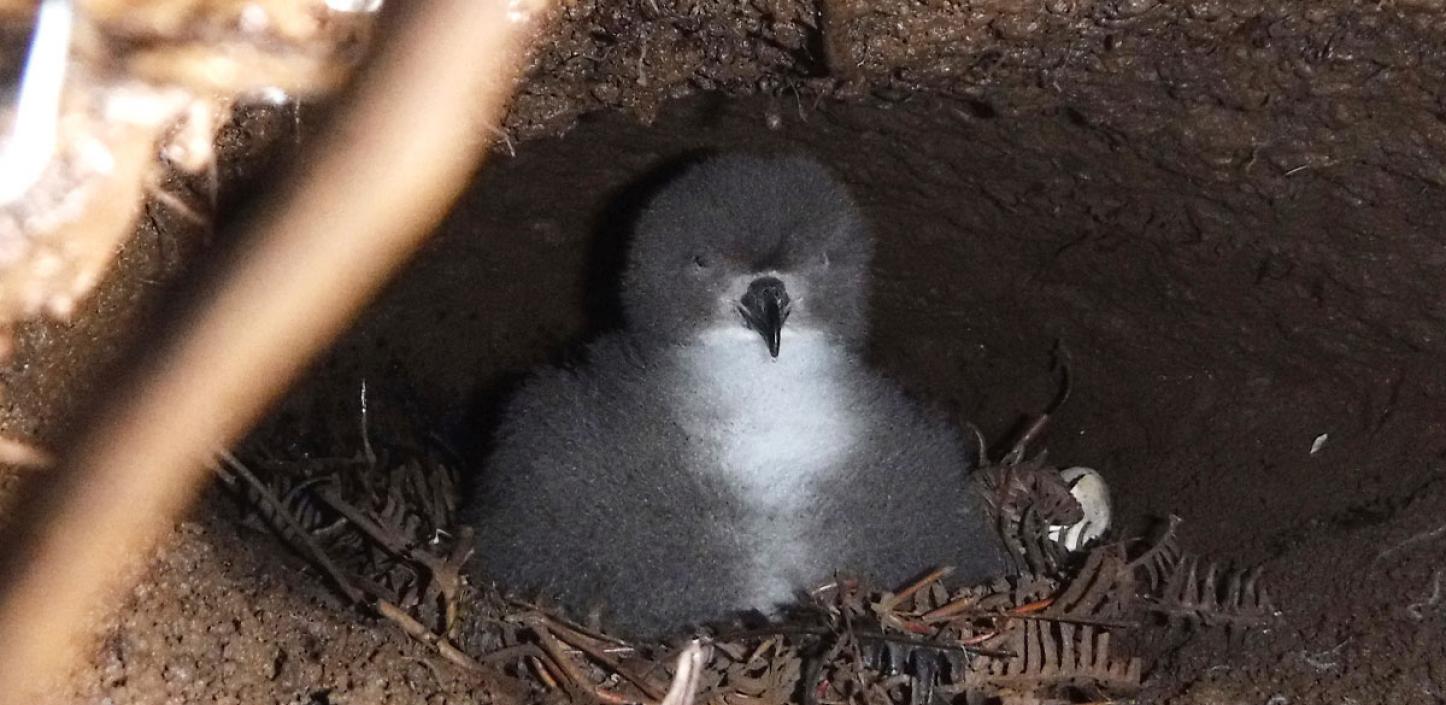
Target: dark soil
<point>1228,217</point>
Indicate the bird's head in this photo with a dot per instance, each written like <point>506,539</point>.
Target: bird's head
<point>764,247</point>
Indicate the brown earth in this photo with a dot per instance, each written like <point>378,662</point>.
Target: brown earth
<point>1228,214</point>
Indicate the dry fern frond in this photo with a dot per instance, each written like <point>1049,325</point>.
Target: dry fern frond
<point>1050,657</point>
<point>1160,557</point>
<point>1103,589</point>
<point>1199,593</point>
<point>1025,499</point>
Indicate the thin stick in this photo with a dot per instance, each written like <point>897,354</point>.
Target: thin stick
<point>933,576</point>
<point>550,646</point>
<point>1049,617</point>
<point>445,571</point>
<point>963,647</point>
<point>509,653</point>
<point>1036,428</point>
<point>381,178</point>
<point>295,530</point>
<point>853,638</point>
<point>949,609</point>
<point>1418,538</point>
<point>421,633</point>
<point>539,667</point>
<point>386,539</point>
<point>688,675</point>
<point>575,628</point>
<point>582,643</point>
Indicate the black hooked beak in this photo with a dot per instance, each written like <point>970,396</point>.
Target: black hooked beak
<point>765,307</point>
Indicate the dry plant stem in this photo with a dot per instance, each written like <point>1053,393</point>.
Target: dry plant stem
<point>386,539</point>
<point>445,572</point>
<point>1060,619</point>
<point>576,683</point>
<point>431,668</point>
<point>420,632</point>
<point>509,653</point>
<point>853,639</point>
<point>1021,446</point>
<point>451,579</point>
<point>687,676</point>
<point>1031,607</point>
<point>587,645</point>
<point>864,636</point>
<point>539,667</point>
<point>600,641</point>
<point>949,610</point>
<point>929,579</point>
<point>611,698</point>
<point>295,530</point>
<point>1036,427</point>
<point>382,177</point>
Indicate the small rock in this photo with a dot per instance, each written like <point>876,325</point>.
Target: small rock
<point>605,93</point>
<point>1015,27</point>
<point>1206,9</point>
<point>1133,8</point>
<point>773,118</point>
<point>178,674</point>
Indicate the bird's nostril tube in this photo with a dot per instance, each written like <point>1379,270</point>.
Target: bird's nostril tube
<point>768,289</point>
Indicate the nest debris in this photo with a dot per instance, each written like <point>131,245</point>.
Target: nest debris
<point>1061,628</point>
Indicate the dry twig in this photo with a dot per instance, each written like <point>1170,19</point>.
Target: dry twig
<point>293,530</point>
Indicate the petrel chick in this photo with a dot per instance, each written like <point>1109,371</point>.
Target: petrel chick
<point>729,448</point>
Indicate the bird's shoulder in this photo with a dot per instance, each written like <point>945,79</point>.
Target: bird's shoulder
<point>609,379</point>
<point>910,426</point>
<point>577,429</point>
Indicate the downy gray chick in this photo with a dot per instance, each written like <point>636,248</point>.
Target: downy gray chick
<point>729,448</point>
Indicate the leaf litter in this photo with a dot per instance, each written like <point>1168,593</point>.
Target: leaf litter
<point>1061,627</point>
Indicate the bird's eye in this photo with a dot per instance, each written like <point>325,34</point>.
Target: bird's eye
<point>700,262</point>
